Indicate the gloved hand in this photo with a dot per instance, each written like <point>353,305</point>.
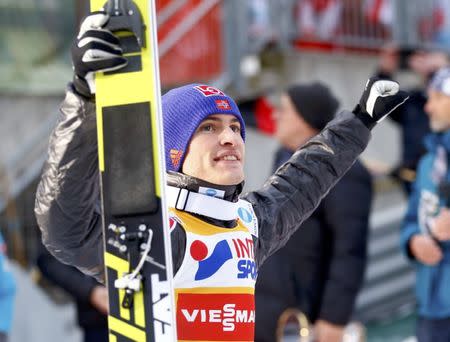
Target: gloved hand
<point>94,49</point>
<point>379,99</point>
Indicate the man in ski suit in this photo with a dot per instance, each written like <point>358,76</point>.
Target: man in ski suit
<point>425,237</point>
<point>218,246</point>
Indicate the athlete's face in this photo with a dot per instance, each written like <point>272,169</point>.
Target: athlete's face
<point>438,110</point>
<point>216,151</point>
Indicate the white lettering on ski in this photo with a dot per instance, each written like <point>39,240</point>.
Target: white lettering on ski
<point>161,309</point>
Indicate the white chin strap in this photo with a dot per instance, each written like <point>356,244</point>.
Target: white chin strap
<point>193,202</point>
<point>216,208</point>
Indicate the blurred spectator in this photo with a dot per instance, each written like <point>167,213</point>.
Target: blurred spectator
<point>432,18</point>
<point>434,22</point>
<point>260,29</point>
<point>318,19</point>
<point>379,13</point>
<point>425,237</point>
<point>258,17</point>
<point>321,268</point>
<point>90,296</point>
<point>411,117</point>
<point>7,293</point>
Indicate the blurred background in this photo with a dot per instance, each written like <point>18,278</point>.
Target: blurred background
<point>250,48</point>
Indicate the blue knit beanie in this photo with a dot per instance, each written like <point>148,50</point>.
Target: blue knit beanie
<point>183,109</point>
<point>441,81</point>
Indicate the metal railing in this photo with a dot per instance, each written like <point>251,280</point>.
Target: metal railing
<point>354,24</point>
<point>39,32</point>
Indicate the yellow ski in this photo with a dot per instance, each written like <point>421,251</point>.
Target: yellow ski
<point>131,158</point>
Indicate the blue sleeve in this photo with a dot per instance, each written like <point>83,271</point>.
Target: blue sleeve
<point>7,291</point>
<point>410,224</point>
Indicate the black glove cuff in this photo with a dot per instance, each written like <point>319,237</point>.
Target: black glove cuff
<point>81,87</point>
<point>384,75</point>
<point>366,119</point>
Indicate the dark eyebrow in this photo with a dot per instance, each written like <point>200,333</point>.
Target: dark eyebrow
<point>212,118</point>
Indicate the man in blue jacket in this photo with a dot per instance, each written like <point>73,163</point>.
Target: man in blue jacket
<point>7,291</point>
<point>426,232</point>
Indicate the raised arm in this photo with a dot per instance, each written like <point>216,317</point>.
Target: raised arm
<point>67,204</point>
<point>297,187</point>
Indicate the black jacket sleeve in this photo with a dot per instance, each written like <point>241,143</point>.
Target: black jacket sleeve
<point>67,204</point>
<point>296,189</point>
<point>71,280</point>
<point>346,212</point>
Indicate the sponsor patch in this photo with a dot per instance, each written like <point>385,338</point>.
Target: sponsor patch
<point>175,156</point>
<point>210,259</point>
<point>223,105</point>
<point>247,216</point>
<point>211,192</point>
<point>215,317</point>
<point>209,90</point>
<point>208,266</point>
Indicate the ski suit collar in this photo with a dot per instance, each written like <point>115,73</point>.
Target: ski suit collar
<point>227,192</point>
<point>194,185</point>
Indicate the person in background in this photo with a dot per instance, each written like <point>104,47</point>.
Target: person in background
<point>425,237</point>
<point>90,296</point>
<point>321,268</point>
<point>411,118</point>
<point>7,293</point>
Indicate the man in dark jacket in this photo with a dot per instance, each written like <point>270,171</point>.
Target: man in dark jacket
<point>205,128</point>
<point>321,268</point>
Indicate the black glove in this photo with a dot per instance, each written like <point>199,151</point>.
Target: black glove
<point>379,99</point>
<point>94,49</point>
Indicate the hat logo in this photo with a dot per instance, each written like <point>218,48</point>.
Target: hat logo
<point>175,156</point>
<point>223,105</point>
<point>209,90</point>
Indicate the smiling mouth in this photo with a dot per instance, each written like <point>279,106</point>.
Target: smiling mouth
<point>227,158</point>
